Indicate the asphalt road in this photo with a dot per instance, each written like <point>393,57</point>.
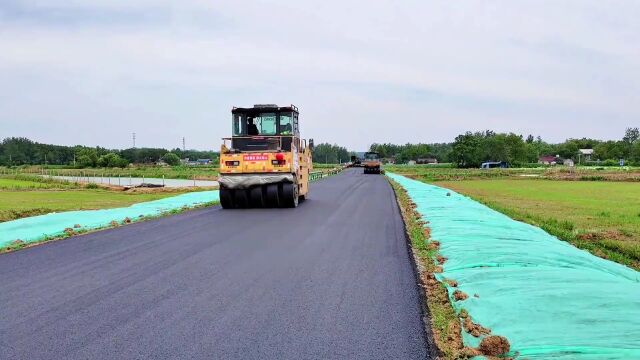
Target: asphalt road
<point>331,279</point>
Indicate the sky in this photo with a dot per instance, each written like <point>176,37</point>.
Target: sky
<point>94,72</point>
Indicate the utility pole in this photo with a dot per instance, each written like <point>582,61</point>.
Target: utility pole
<point>184,147</point>
<point>134,140</point>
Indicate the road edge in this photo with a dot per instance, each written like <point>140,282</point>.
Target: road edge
<point>448,345</point>
<point>69,233</point>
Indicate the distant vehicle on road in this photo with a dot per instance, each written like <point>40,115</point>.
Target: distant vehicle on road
<point>355,161</point>
<point>494,165</point>
<point>372,163</point>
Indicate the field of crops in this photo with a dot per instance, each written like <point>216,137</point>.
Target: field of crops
<point>175,172</point>
<point>24,195</point>
<point>203,172</point>
<point>430,173</point>
<point>596,209</point>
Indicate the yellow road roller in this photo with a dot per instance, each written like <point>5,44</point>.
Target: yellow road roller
<point>372,163</point>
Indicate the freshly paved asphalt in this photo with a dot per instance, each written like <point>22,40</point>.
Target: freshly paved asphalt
<point>331,279</point>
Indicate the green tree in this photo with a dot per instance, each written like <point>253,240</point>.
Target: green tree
<point>631,135</point>
<point>87,157</point>
<point>171,159</point>
<point>466,151</point>
<point>330,154</point>
<point>112,160</point>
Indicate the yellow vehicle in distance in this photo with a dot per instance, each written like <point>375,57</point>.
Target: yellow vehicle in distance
<point>372,163</point>
<point>265,163</point>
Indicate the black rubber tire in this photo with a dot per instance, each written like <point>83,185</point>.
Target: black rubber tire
<point>226,198</point>
<point>256,196</point>
<point>273,198</point>
<point>289,195</point>
<point>241,198</point>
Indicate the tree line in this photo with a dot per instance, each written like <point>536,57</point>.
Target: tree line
<point>326,153</point>
<point>16,151</point>
<point>471,149</point>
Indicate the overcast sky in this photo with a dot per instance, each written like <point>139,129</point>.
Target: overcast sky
<point>92,72</point>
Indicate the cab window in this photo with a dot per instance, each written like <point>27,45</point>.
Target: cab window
<point>263,124</point>
<point>286,124</point>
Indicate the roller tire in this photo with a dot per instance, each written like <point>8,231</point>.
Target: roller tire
<point>226,199</point>
<point>241,198</point>
<point>256,196</point>
<point>289,195</point>
<point>273,197</point>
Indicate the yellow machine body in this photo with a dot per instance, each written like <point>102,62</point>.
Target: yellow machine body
<point>268,169</point>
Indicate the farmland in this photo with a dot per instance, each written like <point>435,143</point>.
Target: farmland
<point>23,196</point>
<point>430,173</point>
<point>147,171</point>
<point>201,172</point>
<point>601,217</point>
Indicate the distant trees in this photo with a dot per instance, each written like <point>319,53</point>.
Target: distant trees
<point>408,152</point>
<point>87,157</point>
<point>171,159</point>
<point>330,154</point>
<point>112,160</point>
<point>471,149</point>
<point>22,151</point>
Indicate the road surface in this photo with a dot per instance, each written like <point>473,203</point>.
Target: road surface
<point>331,279</point>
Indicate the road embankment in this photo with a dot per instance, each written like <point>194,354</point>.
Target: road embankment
<point>507,278</point>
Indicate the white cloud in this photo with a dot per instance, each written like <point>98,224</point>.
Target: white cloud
<point>353,67</point>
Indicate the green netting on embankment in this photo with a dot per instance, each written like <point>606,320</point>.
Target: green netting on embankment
<point>37,228</point>
<point>550,299</point>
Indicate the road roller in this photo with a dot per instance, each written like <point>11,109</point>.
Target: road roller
<point>265,163</point>
<point>372,163</point>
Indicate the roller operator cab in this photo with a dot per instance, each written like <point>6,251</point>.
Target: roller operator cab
<point>265,163</point>
<point>372,163</point>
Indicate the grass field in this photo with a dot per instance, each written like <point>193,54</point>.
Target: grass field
<point>602,217</point>
<point>19,204</point>
<point>169,172</point>
<point>208,172</point>
<point>429,173</point>
<point>24,195</point>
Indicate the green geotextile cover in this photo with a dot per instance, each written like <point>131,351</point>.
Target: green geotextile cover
<point>51,225</point>
<point>548,298</point>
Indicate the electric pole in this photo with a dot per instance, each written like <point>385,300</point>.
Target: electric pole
<point>184,147</point>
<point>134,140</point>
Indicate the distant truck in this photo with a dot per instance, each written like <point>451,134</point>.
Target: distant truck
<point>355,161</point>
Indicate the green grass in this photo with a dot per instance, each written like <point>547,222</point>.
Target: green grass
<point>208,172</point>
<point>15,204</point>
<point>25,182</point>
<point>430,173</point>
<point>601,217</point>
